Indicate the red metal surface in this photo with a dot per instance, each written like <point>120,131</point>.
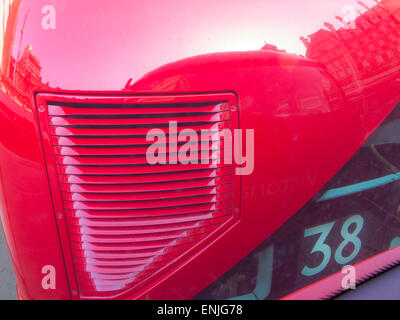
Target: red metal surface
<point>155,49</point>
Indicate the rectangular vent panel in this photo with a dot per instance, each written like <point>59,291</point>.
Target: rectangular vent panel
<point>123,221</point>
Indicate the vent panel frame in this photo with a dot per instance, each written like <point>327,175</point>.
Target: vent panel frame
<point>221,107</point>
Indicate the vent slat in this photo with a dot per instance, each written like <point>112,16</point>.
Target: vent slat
<point>146,204</point>
<point>171,237</point>
<point>153,122</point>
<point>166,221</point>
<point>115,160</point>
<point>146,195</point>
<point>137,150</point>
<point>108,279</point>
<point>140,187</point>
<point>135,110</point>
<point>150,213</point>
<point>159,231</point>
<point>121,179</point>
<point>78,244</point>
<point>121,141</point>
<point>102,133</point>
<point>129,170</point>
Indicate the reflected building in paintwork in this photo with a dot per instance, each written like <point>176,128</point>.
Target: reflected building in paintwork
<point>363,51</point>
<point>19,75</point>
<point>25,72</point>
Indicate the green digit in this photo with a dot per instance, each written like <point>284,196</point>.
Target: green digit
<point>395,243</point>
<point>350,238</point>
<point>320,246</point>
<point>264,276</point>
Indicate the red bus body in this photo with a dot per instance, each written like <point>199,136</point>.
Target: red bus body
<point>165,51</point>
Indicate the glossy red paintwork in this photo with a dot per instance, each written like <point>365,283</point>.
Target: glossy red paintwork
<point>175,47</point>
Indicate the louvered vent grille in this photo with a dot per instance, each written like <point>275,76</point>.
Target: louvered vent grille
<point>125,218</point>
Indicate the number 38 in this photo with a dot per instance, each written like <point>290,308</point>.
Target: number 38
<point>325,249</point>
